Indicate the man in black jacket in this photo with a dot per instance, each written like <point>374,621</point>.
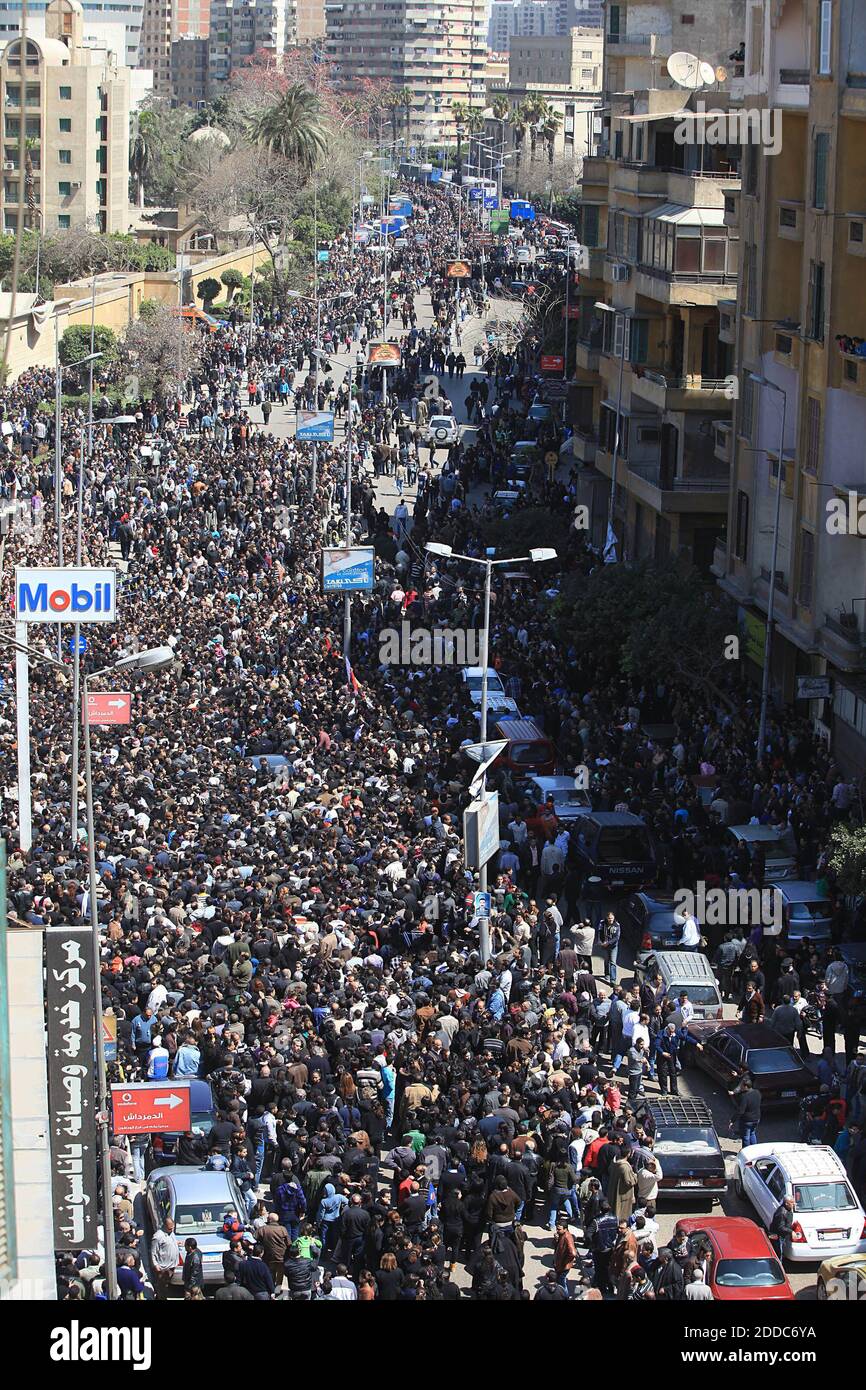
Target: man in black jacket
<point>747,1102</point>
<point>782,1226</point>
<point>255,1276</point>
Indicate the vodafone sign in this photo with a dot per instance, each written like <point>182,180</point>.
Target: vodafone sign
<point>81,594</point>
<point>107,706</point>
<point>151,1107</point>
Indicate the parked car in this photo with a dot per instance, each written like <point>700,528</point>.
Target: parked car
<point>540,412</point>
<point>804,912</point>
<point>687,1147</point>
<point>497,700</point>
<point>651,919</point>
<point>730,1052</point>
<point>689,971</point>
<point>841,1279</point>
<point>441,431</point>
<point>743,1264</point>
<point>162,1148</point>
<point>828,1218</point>
<point>615,848</point>
<point>197,1200</point>
<point>780,849</point>
<point>567,801</point>
<point>527,748</point>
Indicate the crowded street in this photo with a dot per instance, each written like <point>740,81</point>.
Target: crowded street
<point>399,1091</point>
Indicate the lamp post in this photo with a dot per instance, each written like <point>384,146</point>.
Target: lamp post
<point>536,556</point>
<point>611,536</point>
<point>771,596</point>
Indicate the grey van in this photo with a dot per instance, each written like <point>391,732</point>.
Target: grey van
<point>689,971</point>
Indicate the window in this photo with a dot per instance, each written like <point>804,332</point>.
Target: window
<point>65,124</point>
<point>65,93</point>
<point>807,568</point>
<point>756,39</point>
<point>750,273</point>
<point>787,217</point>
<point>813,434</point>
<point>639,340</point>
<point>621,326</point>
<point>825,23</point>
<point>855,236</point>
<point>64,156</point>
<point>64,188</point>
<point>816,300</point>
<point>741,539</point>
<point>687,19</point>
<point>751,169</point>
<point>64,221</point>
<point>819,170</point>
<point>747,413</point>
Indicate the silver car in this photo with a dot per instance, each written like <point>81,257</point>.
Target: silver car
<point>197,1200</point>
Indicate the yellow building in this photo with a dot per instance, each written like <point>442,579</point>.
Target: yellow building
<point>74,102</point>
<point>651,404</point>
<point>801,217</point>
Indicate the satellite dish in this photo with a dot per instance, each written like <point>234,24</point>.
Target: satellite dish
<point>685,69</point>
<point>708,73</point>
<point>721,73</point>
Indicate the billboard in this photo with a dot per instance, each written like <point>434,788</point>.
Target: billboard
<point>481,831</point>
<point>458,270</point>
<point>315,426</point>
<point>65,595</point>
<point>384,355</point>
<point>150,1107</point>
<point>69,997</point>
<point>107,707</point>
<point>490,200</point>
<point>345,570</point>
<point>499,220</point>
<point>552,362</point>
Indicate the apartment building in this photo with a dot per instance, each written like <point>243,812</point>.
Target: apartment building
<point>114,26</point>
<point>801,314</point>
<point>240,28</point>
<point>74,102</point>
<point>651,401</point>
<point>437,49</point>
<point>564,71</point>
<point>154,52</point>
<point>189,71</point>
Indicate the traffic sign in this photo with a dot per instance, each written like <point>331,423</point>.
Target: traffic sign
<point>108,707</point>
<point>78,642</point>
<point>151,1107</point>
<point>481,906</point>
<point>109,1036</point>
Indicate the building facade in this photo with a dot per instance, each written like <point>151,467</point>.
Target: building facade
<point>563,71</point>
<point>652,398</point>
<point>155,48</point>
<point>797,337</point>
<point>512,19</point>
<point>114,27</point>
<point>437,49</point>
<point>240,28</point>
<point>74,102</point>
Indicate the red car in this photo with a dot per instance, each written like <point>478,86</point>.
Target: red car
<point>744,1264</point>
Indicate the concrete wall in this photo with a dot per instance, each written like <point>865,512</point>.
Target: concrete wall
<point>32,1154</point>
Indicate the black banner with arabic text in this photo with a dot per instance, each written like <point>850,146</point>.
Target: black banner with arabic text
<point>71,1085</point>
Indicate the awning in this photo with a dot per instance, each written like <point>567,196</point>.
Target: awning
<point>688,217</point>
<point>655,116</point>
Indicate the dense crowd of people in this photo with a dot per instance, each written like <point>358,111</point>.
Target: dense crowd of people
<point>395,1112</point>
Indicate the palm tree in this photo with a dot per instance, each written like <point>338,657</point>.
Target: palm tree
<point>143,151</point>
<point>550,128</point>
<point>523,121</point>
<point>31,145</point>
<point>475,125</point>
<point>536,109</point>
<point>291,127</point>
<point>500,109</point>
<point>403,102</point>
<point>460,113</point>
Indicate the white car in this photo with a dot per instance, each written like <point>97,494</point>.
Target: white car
<point>441,430</point>
<point>828,1218</point>
<point>497,700</point>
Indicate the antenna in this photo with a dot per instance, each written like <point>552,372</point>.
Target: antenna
<point>685,69</point>
<point>707,72</point>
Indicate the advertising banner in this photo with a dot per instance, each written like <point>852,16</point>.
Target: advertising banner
<point>458,270</point>
<point>384,355</point>
<point>71,1084</point>
<point>65,595</point>
<point>315,426</point>
<point>345,570</point>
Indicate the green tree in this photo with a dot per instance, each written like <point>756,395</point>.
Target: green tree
<point>75,343</point>
<point>460,116</point>
<point>848,858</point>
<point>207,290</point>
<point>233,281</point>
<point>292,127</point>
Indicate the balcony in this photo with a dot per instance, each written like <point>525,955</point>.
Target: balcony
<point>854,94</point>
<point>587,353</point>
<point>665,492</point>
<point>584,444</point>
<point>684,287</point>
<point>679,392</point>
<point>791,90</point>
<point>842,641</point>
<point>853,376</point>
<point>640,45</point>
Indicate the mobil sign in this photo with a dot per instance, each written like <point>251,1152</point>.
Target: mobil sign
<point>65,595</point>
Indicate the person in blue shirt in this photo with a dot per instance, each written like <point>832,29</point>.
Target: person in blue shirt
<point>187,1060</point>
<point>496,1004</point>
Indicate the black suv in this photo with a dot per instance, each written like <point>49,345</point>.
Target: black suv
<point>687,1148</point>
<point>616,848</point>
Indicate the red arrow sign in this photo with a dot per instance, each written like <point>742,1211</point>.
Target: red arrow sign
<point>152,1107</point>
<point>108,707</point>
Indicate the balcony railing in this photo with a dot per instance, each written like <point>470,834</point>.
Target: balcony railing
<point>665,481</point>
<point>680,383</point>
<point>848,630</point>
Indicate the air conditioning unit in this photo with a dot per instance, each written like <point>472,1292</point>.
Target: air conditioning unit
<point>619,272</point>
<point>9,167</point>
<point>75,186</point>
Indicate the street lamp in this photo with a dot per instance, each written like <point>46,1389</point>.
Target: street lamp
<point>536,556</point>
<point>611,534</point>
<point>771,596</point>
